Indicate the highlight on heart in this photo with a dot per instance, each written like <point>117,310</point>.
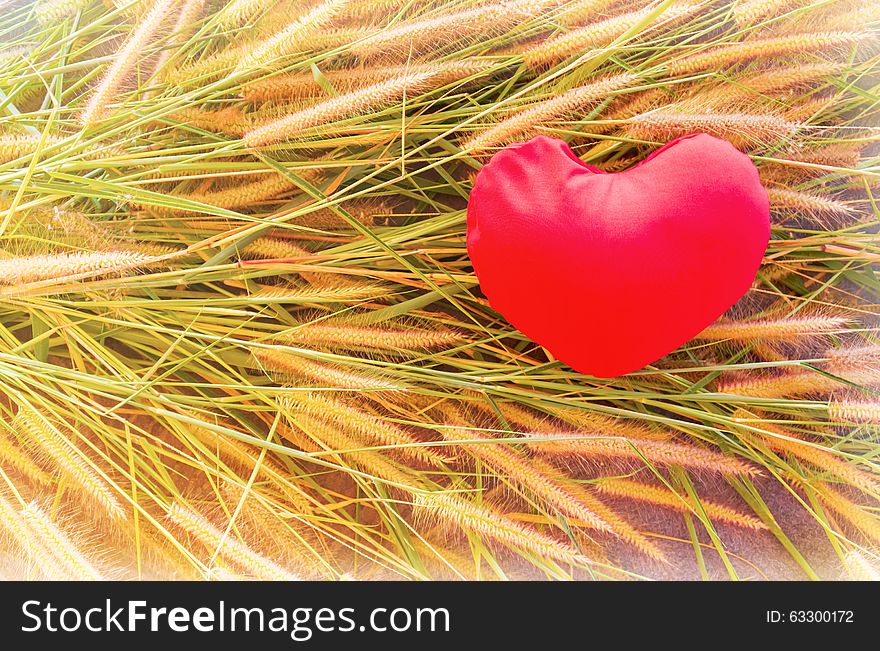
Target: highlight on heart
<point>417,290</point>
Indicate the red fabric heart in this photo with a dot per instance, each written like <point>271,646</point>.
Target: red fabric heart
<point>611,272</point>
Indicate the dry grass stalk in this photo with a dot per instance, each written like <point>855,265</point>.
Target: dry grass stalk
<point>48,12</point>
<point>859,568</point>
<point>505,462</point>
<point>342,293</point>
<point>289,40</point>
<point>780,440</point>
<point>786,329</point>
<point>854,411</point>
<point>766,49</point>
<point>322,374</point>
<point>743,130</point>
<point>390,338</point>
<point>14,530</point>
<point>524,121</point>
<point>125,60</point>
<point>304,86</point>
<point>654,452</point>
<point>16,146</point>
<point>807,203</point>
<point>597,35</point>
<point>855,514</point>
<point>12,456</point>
<point>416,37</point>
<point>363,426</point>
<point>662,496</point>
<point>69,461</point>
<point>68,557</point>
<point>236,552</point>
<point>380,95</point>
<point>330,438</point>
<point>236,196</point>
<point>21,271</point>
<point>485,521</point>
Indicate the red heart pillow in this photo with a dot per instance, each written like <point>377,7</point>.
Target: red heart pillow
<point>611,272</point>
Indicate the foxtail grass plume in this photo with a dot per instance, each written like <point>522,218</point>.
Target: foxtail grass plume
<point>558,107</point>
<point>853,513</point>
<point>69,461</point>
<point>766,49</point>
<point>420,36</point>
<point>20,271</point>
<point>65,552</point>
<point>16,146</point>
<point>321,373</point>
<point>389,338</point>
<point>787,329</point>
<point>371,98</point>
<point>12,456</point>
<point>288,40</point>
<point>48,12</point>
<point>236,552</point>
<point>486,521</point>
<point>597,35</point>
<point>363,426</point>
<point>662,496</point>
<point>235,196</point>
<point>124,61</point>
<point>807,203</point>
<point>303,85</point>
<point>589,447</point>
<point>744,130</point>
<point>854,411</point>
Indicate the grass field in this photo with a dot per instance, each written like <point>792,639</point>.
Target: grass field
<point>240,335</point>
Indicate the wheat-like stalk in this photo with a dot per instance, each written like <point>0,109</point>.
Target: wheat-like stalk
<point>68,556</point>
<point>487,522</point>
<point>787,329</point>
<point>860,568</point>
<point>660,452</point>
<point>236,196</point>
<point>524,121</point>
<point>48,12</point>
<point>234,551</point>
<point>744,130</point>
<point>125,59</point>
<point>379,95</point>
<point>855,514</point>
<point>420,36</point>
<point>288,40</point>
<point>388,338</point>
<point>304,86</point>
<point>188,14</point>
<point>507,463</point>
<point>13,457</point>
<point>596,35</point>
<point>322,374</point>
<point>807,203</point>
<point>662,496</point>
<point>780,440</point>
<point>20,271</point>
<point>854,411</point>
<point>326,436</point>
<point>362,425</point>
<point>13,529</point>
<point>237,12</point>
<point>766,49</point>
<point>748,12</point>
<point>69,461</point>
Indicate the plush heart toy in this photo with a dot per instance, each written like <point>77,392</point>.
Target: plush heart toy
<point>611,272</point>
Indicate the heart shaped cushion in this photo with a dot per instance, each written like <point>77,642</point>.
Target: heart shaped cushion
<point>610,272</point>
